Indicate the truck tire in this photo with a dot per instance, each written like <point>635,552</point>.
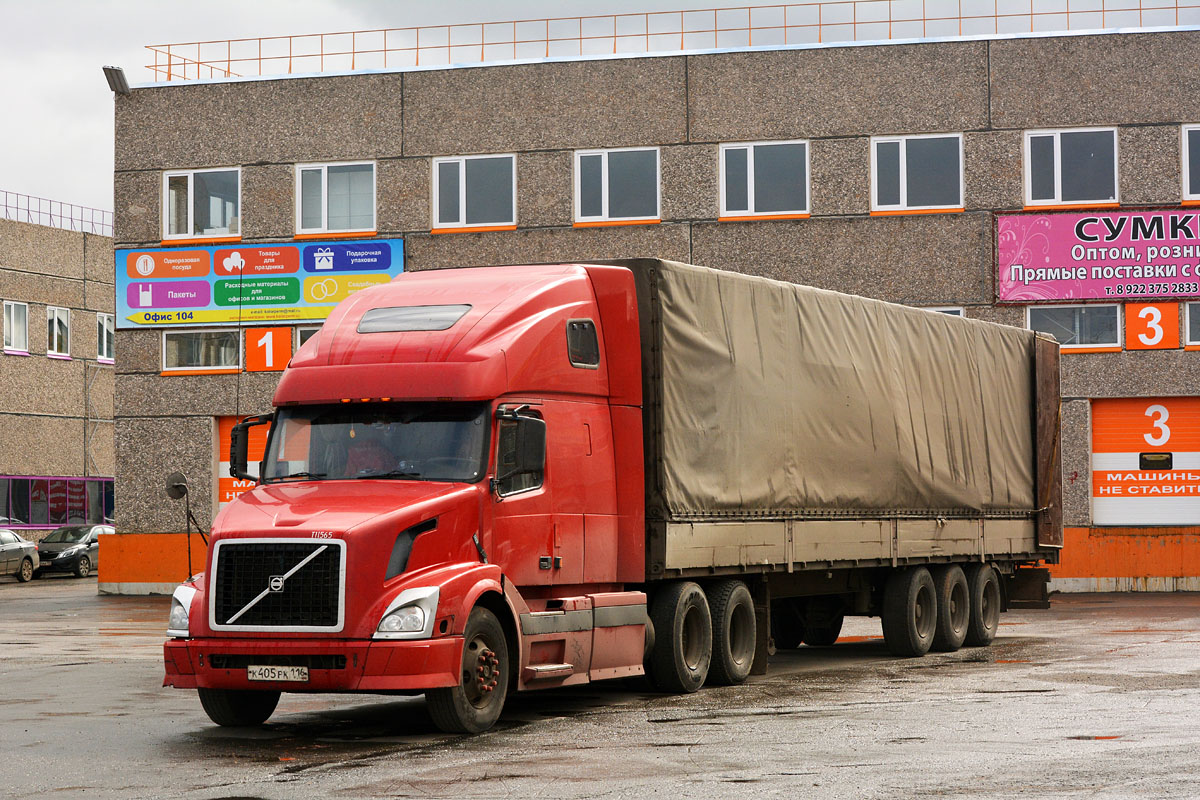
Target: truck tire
<point>733,632</point>
<point>683,638</point>
<point>238,708</point>
<point>983,587</point>
<point>953,608</point>
<point>826,634</point>
<point>475,704</point>
<point>787,626</point>
<point>909,611</point>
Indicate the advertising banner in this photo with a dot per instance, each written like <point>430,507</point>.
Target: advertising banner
<point>250,284</point>
<point>1110,255</point>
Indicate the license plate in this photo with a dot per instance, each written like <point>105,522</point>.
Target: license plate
<point>265,673</point>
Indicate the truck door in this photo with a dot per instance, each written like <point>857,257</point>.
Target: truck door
<point>522,521</point>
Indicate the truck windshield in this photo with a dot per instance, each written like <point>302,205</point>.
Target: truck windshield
<point>400,441</point>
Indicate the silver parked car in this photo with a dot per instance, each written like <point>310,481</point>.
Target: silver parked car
<point>18,556</point>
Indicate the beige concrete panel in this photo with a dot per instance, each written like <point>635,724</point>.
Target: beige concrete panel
<point>725,544</point>
<point>840,540</point>
<point>1002,315</point>
<point>29,287</point>
<point>103,454</point>
<point>176,395</point>
<point>100,390</point>
<point>547,245</point>
<point>925,259</point>
<point>1139,373</point>
<point>147,450</point>
<point>269,201</point>
<point>927,538</point>
<point>1077,462</point>
<point>838,91</point>
<point>690,182</point>
<point>256,390</point>
<point>138,198</point>
<point>618,103</point>
<point>403,195</point>
<point>333,118</point>
<point>841,176</point>
<point>1008,536</point>
<point>99,296</point>
<point>992,170</point>
<point>545,192</point>
<point>1078,80</point>
<point>40,445</point>
<point>40,385</point>
<point>1150,170</point>
<point>98,260</point>
<point>41,249</point>
<point>138,351</point>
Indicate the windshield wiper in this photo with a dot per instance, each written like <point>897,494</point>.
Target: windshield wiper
<point>299,475</point>
<point>395,473</point>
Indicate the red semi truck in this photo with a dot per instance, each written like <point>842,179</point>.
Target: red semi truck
<point>486,480</point>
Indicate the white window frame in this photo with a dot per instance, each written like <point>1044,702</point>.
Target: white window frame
<point>240,348</point>
<point>462,192</point>
<point>1184,153</point>
<point>1119,343</point>
<point>1027,168</point>
<point>953,311</point>
<point>166,204</point>
<point>6,316</point>
<point>54,312</point>
<point>324,167</point>
<point>101,319</point>
<point>749,148</point>
<point>604,217</point>
<point>904,205</point>
<point>301,329</point>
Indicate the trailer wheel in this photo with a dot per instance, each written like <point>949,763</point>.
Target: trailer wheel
<point>475,704</point>
<point>733,632</point>
<point>909,611</point>
<point>983,586</point>
<point>953,608</point>
<point>824,635</point>
<point>787,626</point>
<point>683,638</point>
<point>238,708</point>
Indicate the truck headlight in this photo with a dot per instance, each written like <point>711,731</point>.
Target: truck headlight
<point>410,615</point>
<point>181,601</point>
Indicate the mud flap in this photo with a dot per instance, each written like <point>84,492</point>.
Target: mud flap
<point>1027,588</point>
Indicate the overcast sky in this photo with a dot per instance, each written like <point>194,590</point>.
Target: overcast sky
<point>56,138</point>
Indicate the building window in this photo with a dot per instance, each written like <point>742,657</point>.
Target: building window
<point>58,331</point>
<point>16,327</point>
<point>912,173</point>
<point>1090,326</point>
<point>39,502</point>
<point>953,311</point>
<point>304,334</point>
<point>1071,166</point>
<point>474,191</point>
<point>104,337</point>
<point>616,185</point>
<point>201,350</point>
<point>1191,162</point>
<point>1192,312</point>
<point>764,178</point>
<point>332,198</point>
<point>201,203</point>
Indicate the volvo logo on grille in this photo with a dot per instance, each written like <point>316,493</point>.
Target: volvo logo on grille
<point>276,583</point>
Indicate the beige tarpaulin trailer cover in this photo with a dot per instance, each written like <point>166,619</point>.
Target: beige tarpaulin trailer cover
<point>769,399</point>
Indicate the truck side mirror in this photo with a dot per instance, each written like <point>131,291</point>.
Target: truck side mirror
<point>239,445</point>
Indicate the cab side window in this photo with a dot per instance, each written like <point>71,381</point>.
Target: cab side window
<point>512,475</point>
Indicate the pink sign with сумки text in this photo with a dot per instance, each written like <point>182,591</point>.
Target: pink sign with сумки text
<point>1098,255</point>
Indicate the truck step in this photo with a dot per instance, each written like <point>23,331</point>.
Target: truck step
<point>544,671</point>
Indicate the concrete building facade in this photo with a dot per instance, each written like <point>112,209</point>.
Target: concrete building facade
<point>859,225</point>
<point>56,378</point>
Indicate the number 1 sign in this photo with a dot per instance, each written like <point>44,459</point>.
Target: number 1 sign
<point>268,349</point>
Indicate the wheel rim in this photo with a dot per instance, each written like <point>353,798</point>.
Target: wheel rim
<point>923,615</point>
<point>85,567</point>
<point>959,607</point>
<point>481,672</point>
<point>27,569</point>
<point>692,638</point>
<point>989,605</point>
<point>741,634</point>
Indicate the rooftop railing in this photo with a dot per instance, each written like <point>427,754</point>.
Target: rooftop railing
<point>825,21</point>
<point>55,214</point>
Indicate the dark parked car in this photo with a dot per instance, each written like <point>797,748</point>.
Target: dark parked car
<point>17,556</point>
<point>72,548</point>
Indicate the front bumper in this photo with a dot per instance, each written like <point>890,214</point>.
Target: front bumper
<point>69,564</point>
<point>369,666</point>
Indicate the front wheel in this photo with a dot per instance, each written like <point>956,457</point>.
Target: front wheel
<point>83,568</point>
<point>238,708</point>
<point>475,704</point>
<point>25,573</point>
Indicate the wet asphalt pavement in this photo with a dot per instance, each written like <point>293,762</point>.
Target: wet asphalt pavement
<point>1097,697</point>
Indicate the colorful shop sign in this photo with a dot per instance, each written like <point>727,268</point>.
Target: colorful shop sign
<point>254,284</point>
<point>1049,257</point>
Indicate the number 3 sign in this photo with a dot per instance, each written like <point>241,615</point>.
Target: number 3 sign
<point>268,349</point>
<point>1152,326</point>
